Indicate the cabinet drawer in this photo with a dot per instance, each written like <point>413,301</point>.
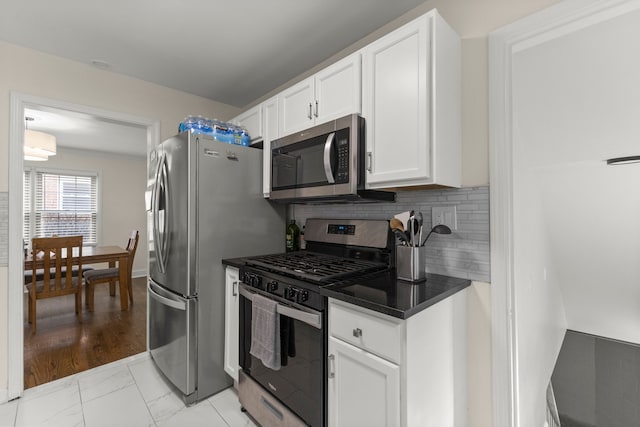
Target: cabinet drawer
<point>366,330</point>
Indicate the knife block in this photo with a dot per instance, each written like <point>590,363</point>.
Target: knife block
<point>410,263</point>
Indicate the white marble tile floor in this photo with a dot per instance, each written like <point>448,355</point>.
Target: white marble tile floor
<point>127,393</point>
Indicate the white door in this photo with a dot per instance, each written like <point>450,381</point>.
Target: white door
<point>296,107</point>
<point>364,390</point>
<point>338,90</point>
<point>396,95</point>
<point>231,332</point>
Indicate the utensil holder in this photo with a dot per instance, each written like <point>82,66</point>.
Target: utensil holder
<point>410,263</point>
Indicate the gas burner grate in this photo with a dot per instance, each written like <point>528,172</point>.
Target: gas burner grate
<point>313,266</point>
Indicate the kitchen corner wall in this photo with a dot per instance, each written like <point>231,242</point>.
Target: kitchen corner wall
<point>4,227</point>
<point>464,253</point>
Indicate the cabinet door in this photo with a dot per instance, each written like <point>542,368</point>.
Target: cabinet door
<point>270,121</point>
<point>338,89</point>
<point>396,105</point>
<point>251,120</point>
<point>231,313</point>
<point>364,390</point>
<point>296,107</point>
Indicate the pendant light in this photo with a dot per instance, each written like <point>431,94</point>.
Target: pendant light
<point>38,146</point>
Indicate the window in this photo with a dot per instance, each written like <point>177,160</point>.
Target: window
<point>62,203</point>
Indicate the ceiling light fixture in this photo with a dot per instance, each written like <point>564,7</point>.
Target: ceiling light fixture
<point>623,160</point>
<point>38,146</point>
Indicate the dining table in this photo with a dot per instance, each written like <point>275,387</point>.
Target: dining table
<point>95,255</point>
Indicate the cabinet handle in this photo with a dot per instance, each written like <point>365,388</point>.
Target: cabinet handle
<point>235,288</point>
<point>332,370</point>
<point>369,161</point>
<point>316,113</point>
<point>310,116</point>
<point>357,332</point>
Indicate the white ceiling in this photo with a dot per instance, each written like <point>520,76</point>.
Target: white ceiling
<point>229,51</point>
<point>86,132</point>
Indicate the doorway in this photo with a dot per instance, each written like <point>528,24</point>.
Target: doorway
<point>563,101</point>
<point>19,103</point>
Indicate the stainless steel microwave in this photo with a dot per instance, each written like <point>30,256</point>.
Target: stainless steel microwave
<point>325,163</point>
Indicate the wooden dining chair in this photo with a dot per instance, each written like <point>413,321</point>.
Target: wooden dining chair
<point>111,275</point>
<point>56,254</point>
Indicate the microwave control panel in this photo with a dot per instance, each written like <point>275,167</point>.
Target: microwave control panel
<point>342,170</point>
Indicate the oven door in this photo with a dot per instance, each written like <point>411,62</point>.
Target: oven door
<point>300,382</point>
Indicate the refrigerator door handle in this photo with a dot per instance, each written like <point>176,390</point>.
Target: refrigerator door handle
<point>178,305</point>
<point>161,193</point>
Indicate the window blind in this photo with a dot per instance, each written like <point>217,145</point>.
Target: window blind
<point>65,205</point>
<point>26,206</point>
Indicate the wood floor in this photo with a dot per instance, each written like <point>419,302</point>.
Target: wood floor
<point>63,346</point>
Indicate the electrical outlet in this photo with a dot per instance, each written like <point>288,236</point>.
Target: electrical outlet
<point>445,215</point>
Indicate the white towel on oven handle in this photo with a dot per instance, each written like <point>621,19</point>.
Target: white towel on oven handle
<point>265,331</point>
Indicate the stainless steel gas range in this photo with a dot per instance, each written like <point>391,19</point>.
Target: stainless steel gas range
<point>294,392</point>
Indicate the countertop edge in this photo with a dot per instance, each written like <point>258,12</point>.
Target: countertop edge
<point>459,285</point>
<point>234,262</point>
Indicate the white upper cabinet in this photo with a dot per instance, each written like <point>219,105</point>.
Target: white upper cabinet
<point>261,122</point>
<point>412,106</point>
<point>270,132</point>
<point>331,93</point>
<point>251,120</point>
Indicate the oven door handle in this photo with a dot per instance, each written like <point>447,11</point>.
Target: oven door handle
<point>311,317</point>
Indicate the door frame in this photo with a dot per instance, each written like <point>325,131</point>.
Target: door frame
<point>563,18</point>
<point>18,102</point>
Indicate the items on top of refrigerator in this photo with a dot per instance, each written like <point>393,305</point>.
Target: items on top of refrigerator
<point>220,131</point>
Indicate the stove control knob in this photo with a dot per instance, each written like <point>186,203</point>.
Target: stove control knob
<point>272,286</point>
<point>291,293</point>
<point>252,280</point>
<point>246,278</point>
<point>302,296</point>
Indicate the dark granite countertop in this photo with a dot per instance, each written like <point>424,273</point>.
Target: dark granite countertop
<point>234,262</point>
<point>384,293</point>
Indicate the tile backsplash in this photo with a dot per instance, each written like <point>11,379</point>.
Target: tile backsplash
<point>464,253</point>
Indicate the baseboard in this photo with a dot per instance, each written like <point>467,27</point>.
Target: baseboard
<point>138,273</point>
<point>4,396</point>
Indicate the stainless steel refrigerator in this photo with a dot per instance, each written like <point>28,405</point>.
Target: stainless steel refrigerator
<point>204,203</point>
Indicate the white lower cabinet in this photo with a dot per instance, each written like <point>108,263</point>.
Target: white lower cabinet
<point>388,372</point>
<point>364,389</point>
<point>231,322</point>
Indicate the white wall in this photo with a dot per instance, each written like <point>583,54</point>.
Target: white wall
<point>479,354</point>
<point>579,109</point>
<point>123,183</point>
<point>572,101</point>
<point>34,73</point>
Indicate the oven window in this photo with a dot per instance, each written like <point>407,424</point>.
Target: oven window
<point>299,383</point>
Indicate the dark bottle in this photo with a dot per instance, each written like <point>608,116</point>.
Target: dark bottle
<point>293,234</point>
